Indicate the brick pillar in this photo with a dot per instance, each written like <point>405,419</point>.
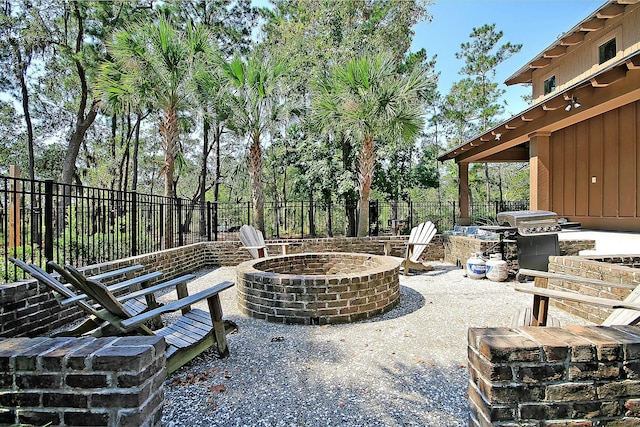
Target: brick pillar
<point>539,168</point>
<point>578,376</point>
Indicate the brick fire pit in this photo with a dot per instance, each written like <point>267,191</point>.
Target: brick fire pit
<point>318,288</point>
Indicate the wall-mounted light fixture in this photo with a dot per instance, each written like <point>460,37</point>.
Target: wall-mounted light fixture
<point>573,103</point>
<point>498,135</point>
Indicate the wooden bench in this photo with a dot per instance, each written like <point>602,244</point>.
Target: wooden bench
<point>625,312</point>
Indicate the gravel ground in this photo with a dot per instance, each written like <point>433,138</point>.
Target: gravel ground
<point>405,368</point>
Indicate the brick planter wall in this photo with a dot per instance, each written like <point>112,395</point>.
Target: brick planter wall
<point>572,377</point>
<point>318,288</point>
<point>29,309</point>
<point>81,382</point>
<point>617,269</point>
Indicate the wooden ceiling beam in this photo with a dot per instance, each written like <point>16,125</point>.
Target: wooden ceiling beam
<point>593,25</point>
<point>555,52</point>
<point>572,39</point>
<point>610,11</point>
<point>519,153</point>
<point>610,77</point>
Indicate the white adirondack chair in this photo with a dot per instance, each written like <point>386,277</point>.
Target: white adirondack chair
<point>253,241</point>
<point>418,240</point>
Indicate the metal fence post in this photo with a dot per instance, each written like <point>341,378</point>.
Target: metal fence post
<point>134,223</point>
<point>179,215</point>
<point>208,221</point>
<point>48,221</point>
<point>249,213</point>
<point>302,219</point>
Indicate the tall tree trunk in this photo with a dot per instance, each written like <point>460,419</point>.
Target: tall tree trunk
<point>487,185</point>
<point>312,220</point>
<point>366,163</point>
<point>136,146</point>
<point>203,175</point>
<point>257,191</point>
<point>327,212</point>
<point>83,122</point>
<point>169,133</point>
<point>349,205</point>
<point>21,71</point>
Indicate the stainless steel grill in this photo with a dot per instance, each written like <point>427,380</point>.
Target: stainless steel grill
<point>536,236</point>
<point>530,222</point>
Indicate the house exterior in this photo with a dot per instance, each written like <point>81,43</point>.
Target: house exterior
<point>581,135</point>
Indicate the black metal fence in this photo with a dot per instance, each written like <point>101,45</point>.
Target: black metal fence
<point>44,220</point>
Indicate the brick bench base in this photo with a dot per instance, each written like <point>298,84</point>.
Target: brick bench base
<point>86,381</point>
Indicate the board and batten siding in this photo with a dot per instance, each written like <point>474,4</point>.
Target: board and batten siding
<point>604,149</point>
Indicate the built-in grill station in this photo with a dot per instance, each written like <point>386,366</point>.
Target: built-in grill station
<point>535,233</point>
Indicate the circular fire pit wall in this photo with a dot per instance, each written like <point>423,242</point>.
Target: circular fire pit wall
<point>316,289</point>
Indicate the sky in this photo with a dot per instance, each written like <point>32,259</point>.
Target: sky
<point>533,23</point>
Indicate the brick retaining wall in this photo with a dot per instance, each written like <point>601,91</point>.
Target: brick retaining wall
<point>610,268</point>
<point>29,309</point>
<point>80,382</point>
<point>458,249</point>
<point>577,376</point>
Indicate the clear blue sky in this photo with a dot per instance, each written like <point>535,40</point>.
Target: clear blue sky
<point>533,23</point>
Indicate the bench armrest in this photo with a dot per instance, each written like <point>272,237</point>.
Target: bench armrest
<point>572,296</point>
<point>570,278</point>
<point>176,305</point>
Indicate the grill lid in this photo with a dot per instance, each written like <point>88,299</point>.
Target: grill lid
<point>530,222</point>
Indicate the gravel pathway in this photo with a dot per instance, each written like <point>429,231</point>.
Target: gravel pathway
<point>405,368</point>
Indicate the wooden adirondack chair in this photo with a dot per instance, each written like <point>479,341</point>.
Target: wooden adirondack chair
<point>253,241</point>
<point>418,240</point>
<point>625,312</point>
<point>94,324</point>
<point>186,337</point>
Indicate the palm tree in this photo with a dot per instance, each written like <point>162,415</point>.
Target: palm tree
<point>256,107</point>
<point>370,102</point>
<point>154,61</point>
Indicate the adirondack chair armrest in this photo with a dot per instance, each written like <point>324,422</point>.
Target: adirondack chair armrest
<point>255,247</point>
<point>576,297</point>
<point>176,305</point>
<point>160,286</point>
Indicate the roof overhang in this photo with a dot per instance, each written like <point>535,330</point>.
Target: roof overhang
<point>594,22</point>
<point>616,85</point>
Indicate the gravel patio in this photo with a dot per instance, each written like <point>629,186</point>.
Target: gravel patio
<point>405,368</point>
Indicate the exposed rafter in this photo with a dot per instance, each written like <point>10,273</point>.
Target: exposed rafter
<point>610,77</point>
<point>593,25</point>
<point>540,63</point>
<point>555,52</point>
<point>611,11</point>
<point>572,39</point>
